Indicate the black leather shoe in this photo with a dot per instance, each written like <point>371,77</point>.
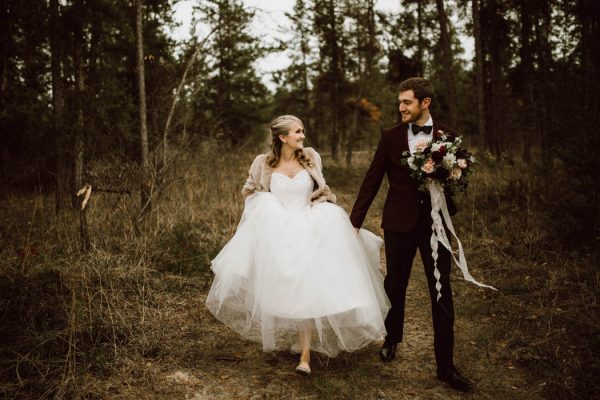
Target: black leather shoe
<point>454,378</point>
<point>388,351</point>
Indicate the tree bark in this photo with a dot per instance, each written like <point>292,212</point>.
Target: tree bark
<point>5,33</point>
<point>334,99</point>
<point>5,41</point>
<point>479,77</point>
<point>527,78</point>
<point>305,51</point>
<point>543,46</point>
<point>79,151</point>
<point>447,59</point>
<point>145,192</point>
<point>497,79</point>
<point>58,105</point>
<point>420,43</point>
<point>364,71</point>
<point>79,148</point>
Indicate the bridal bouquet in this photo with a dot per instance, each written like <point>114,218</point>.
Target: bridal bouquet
<point>441,166</point>
<point>443,160</point>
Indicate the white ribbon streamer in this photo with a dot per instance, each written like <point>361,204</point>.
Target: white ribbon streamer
<point>438,234</point>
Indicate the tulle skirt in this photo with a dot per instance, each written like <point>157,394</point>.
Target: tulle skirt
<point>300,268</point>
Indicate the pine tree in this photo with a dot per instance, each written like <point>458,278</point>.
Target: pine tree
<point>331,82</point>
<point>294,92</point>
<point>229,101</point>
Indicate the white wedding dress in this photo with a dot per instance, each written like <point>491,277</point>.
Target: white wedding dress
<point>291,265</point>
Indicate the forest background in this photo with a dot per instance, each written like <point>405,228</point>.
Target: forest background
<point>156,136</point>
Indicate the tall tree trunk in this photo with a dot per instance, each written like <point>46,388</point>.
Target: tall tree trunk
<point>5,33</point>
<point>144,162</point>
<point>305,50</point>
<point>527,77</point>
<point>479,76</point>
<point>496,101</point>
<point>543,46</point>
<point>496,96</point>
<point>354,131</point>
<point>420,42</point>
<point>5,43</point>
<point>58,105</point>
<point>79,151</point>
<point>4,160</point>
<point>334,99</point>
<point>447,60</point>
<point>79,147</point>
<point>319,111</point>
<point>588,19</point>
<point>364,72</point>
<point>372,40</point>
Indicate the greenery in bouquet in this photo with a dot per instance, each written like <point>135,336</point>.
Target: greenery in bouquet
<point>442,160</point>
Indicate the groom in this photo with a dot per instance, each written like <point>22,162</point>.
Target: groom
<point>407,226</point>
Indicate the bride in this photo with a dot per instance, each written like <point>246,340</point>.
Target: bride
<point>296,275</point>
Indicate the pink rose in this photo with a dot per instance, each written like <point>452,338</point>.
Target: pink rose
<point>421,145</point>
<point>462,163</point>
<point>428,167</point>
<point>456,173</point>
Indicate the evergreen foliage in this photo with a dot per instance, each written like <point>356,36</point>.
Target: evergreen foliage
<point>228,98</point>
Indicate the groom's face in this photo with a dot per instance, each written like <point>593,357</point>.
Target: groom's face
<point>410,108</point>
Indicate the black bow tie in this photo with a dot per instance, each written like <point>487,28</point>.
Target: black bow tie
<point>425,129</point>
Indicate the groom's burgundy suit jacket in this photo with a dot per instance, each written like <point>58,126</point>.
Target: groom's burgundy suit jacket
<point>403,201</point>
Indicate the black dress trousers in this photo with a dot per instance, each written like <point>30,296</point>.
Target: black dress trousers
<point>400,250</point>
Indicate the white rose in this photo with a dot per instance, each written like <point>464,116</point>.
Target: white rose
<point>411,163</point>
<point>449,160</point>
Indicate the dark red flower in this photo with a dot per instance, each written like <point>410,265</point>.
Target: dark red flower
<point>443,150</point>
<point>462,153</point>
<point>441,173</point>
<point>437,157</point>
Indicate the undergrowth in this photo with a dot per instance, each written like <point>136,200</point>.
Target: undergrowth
<point>71,322</point>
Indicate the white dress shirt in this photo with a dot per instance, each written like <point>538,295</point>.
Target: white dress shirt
<point>414,139</point>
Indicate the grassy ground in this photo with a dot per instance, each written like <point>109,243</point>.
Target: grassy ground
<point>127,321</point>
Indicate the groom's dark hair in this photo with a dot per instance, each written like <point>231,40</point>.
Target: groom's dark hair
<point>421,87</point>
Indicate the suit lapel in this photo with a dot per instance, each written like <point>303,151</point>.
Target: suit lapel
<point>398,142</point>
<point>404,136</point>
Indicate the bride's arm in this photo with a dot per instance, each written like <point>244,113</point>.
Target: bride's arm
<point>252,184</point>
<point>326,193</point>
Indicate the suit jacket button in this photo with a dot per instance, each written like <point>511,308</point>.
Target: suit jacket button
<point>421,202</point>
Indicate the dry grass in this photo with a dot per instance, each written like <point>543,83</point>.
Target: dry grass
<point>526,231</point>
<point>127,319</point>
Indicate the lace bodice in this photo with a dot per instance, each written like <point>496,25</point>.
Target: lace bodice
<point>293,192</point>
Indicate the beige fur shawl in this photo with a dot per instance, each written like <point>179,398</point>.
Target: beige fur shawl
<point>259,177</point>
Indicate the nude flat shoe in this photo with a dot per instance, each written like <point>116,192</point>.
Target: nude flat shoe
<point>303,369</point>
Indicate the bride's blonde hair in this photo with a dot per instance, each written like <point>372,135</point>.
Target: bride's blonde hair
<point>281,126</point>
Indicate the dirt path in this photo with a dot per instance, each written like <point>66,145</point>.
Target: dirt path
<point>209,361</point>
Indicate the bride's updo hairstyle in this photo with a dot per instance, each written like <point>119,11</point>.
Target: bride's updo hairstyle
<point>281,126</point>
